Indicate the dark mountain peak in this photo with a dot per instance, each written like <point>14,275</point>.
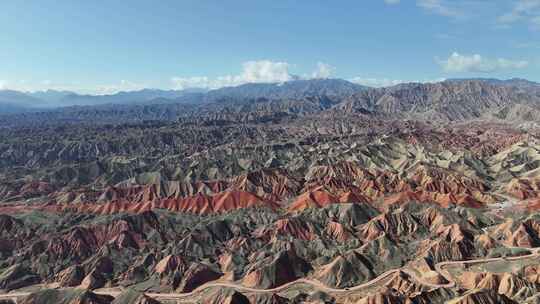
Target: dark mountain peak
<point>295,89</point>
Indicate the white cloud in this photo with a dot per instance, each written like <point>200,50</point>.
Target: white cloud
<point>263,71</point>
<point>323,70</point>
<point>476,63</point>
<point>441,79</point>
<point>97,89</point>
<point>527,10</point>
<point>376,82</point>
<point>181,83</point>
<point>122,86</point>
<point>392,1</point>
<point>439,7</point>
<point>386,82</point>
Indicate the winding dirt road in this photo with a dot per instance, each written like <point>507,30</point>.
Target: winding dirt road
<point>439,268</point>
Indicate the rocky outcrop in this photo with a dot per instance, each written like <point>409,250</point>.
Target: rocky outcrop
<point>385,296</point>
<point>66,296</point>
<point>348,270</point>
<point>268,299</point>
<point>71,276</point>
<point>17,276</point>
<point>225,296</point>
<point>510,285</point>
<point>483,296</point>
<point>276,270</point>
<point>197,275</point>
<point>133,297</point>
<point>93,280</point>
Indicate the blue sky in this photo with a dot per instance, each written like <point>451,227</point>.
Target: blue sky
<point>106,46</point>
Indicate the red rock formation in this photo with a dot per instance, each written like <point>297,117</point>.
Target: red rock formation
<point>35,188</point>
<point>271,184</point>
<point>483,296</point>
<point>295,227</point>
<point>386,296</point>
<point>79,243</point>
<point>71,276</point>
<point>443,250</point>
<point>404,284</point>
<point>313,199</point>
<point>353,197</point>
<point>198,204</point>
<point>523,188</point>
<point>486,241</point>
<point>524,234</point>
<point>532,273</point>
<point>507,284</point>
<point>337,232</point>
<point>454,233</point>
<point>217,203</point>
<point>320,198</point>
<point>441,199</point>
<point>394,224</point>
<point>168,264</point>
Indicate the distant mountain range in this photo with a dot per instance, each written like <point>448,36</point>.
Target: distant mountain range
<point>296,89</point>
<point>13,101</point>
<point>450,100</point>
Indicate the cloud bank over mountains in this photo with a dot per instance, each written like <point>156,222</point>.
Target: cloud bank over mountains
<point>262,71</point>
<point>476,63</point>
<point>252,72</point>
